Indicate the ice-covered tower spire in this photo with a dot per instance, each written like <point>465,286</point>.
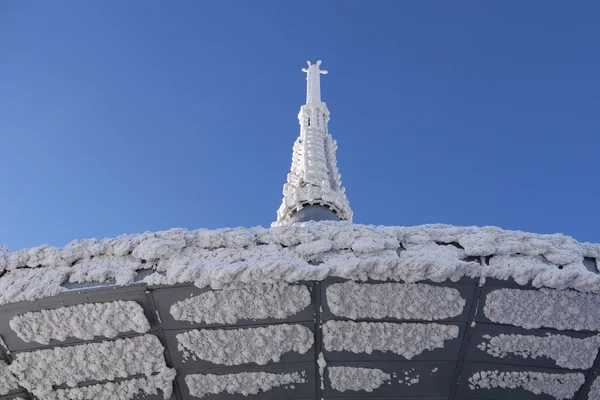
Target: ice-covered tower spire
<point>314,188</point>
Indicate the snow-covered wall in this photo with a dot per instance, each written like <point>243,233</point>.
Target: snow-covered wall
<point>310,251</point>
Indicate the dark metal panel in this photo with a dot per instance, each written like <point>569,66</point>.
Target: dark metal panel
<point>500,393</point>
<point>474,354</point>
<point>435,379</point>
<point>7,312</point>
<point>300,391</point>
<point>467,291</point>
<point>166,297</point>
<point>190,364</point>
<point>449,352</point>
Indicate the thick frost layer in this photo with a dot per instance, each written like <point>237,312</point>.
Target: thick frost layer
<point>560,386</point>
<point>39,370</point>
<point>244,346</point>
<point>229,305</point>
<point>544,308</point>
<point>124,390</point>
<point>567,352</point>
<point>310,251</point>
<point>245,383</point>
<point>353,378</point>
<point>395,300</point>
<point>594,393</point>
<point>83,321</point>
<point>407,340</point>
<point>8,382</point>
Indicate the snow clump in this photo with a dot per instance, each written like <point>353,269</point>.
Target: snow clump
<point>395,300</point>
<point>566,351</point>
<point>83,321</point>
<point>40,370</point>
<point>243,346</point>
<point>125,390</point>
<point>8,382</point>
<point>594,393</point>
<point>548,308</point>
<point>354,378</point>
<point>245,383</point>
<point>407,340</point>
<point>560,386</point>
<point>229,305</point>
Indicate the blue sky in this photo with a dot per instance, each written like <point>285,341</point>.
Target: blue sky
<point>121,117</point>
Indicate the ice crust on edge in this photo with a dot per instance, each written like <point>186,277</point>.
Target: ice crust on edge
<point>566,351</point>
<point>356,378</point>
<point>231,304</point>
<point>8,382</point>
<point>560,386</point>
<point>405,339</point>
<point>303,252</point>
<point>245,383</point>
<point>124,390</point>
<point>39,370</point>
<point>532,309</point>
<point>395,300</point>
<point>248,345</point>
<point>83,321</point>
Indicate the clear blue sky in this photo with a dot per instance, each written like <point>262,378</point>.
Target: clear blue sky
<point>126,116</point>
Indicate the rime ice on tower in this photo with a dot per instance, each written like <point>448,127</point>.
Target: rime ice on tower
<point>314,188</point>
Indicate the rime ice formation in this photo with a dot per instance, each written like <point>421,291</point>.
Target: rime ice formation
<point>39,370</point>
<point>407,340</point>
<point>531,309</point>
<point>105,268</point>
<point>245,383</point>
<point>560,386</point>
<point>314,176</point>
<point>8,382</point>
<point>396,300</point>
<point>353,378</point>
<point>83,321</point>
<point>567,352</point>
<point>322,363</point>
<point>125,390</point>
<point>229,305</point>
<point>594,393</point>
<point>244,346</point>
<point>311,251</point>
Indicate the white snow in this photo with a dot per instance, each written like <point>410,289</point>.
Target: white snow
<point>304,252</point>
<point>566,351</point>
<point>356,378</point>
<point>8,382</point>
<point>594,393</point>
<point>405,339</point>
<point>124,390</point>
<point>245,383</point>
<point>227,306</point>
<point>39,370</point>
<point>249,345</point>
<point>560,386</point>
<point>83,321</point>
<point>322,363</point>
<point>531,309</point>
<point>396,300</point>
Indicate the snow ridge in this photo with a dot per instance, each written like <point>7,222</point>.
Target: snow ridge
<point>395,300</point>
<point>39,370</point>
<point>532,309</point>
<point>124,390</point>
<point>83,321</point>
<point>560,386</point>
<point>243,346</point>
<point>245,383</point>
<point>407,340</point>
<point>567,352</point>
<point>354,378</point>
<point>8,382</point>
<point>229,305</point>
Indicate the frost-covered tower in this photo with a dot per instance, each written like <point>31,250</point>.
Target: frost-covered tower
<point>313,190</point>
